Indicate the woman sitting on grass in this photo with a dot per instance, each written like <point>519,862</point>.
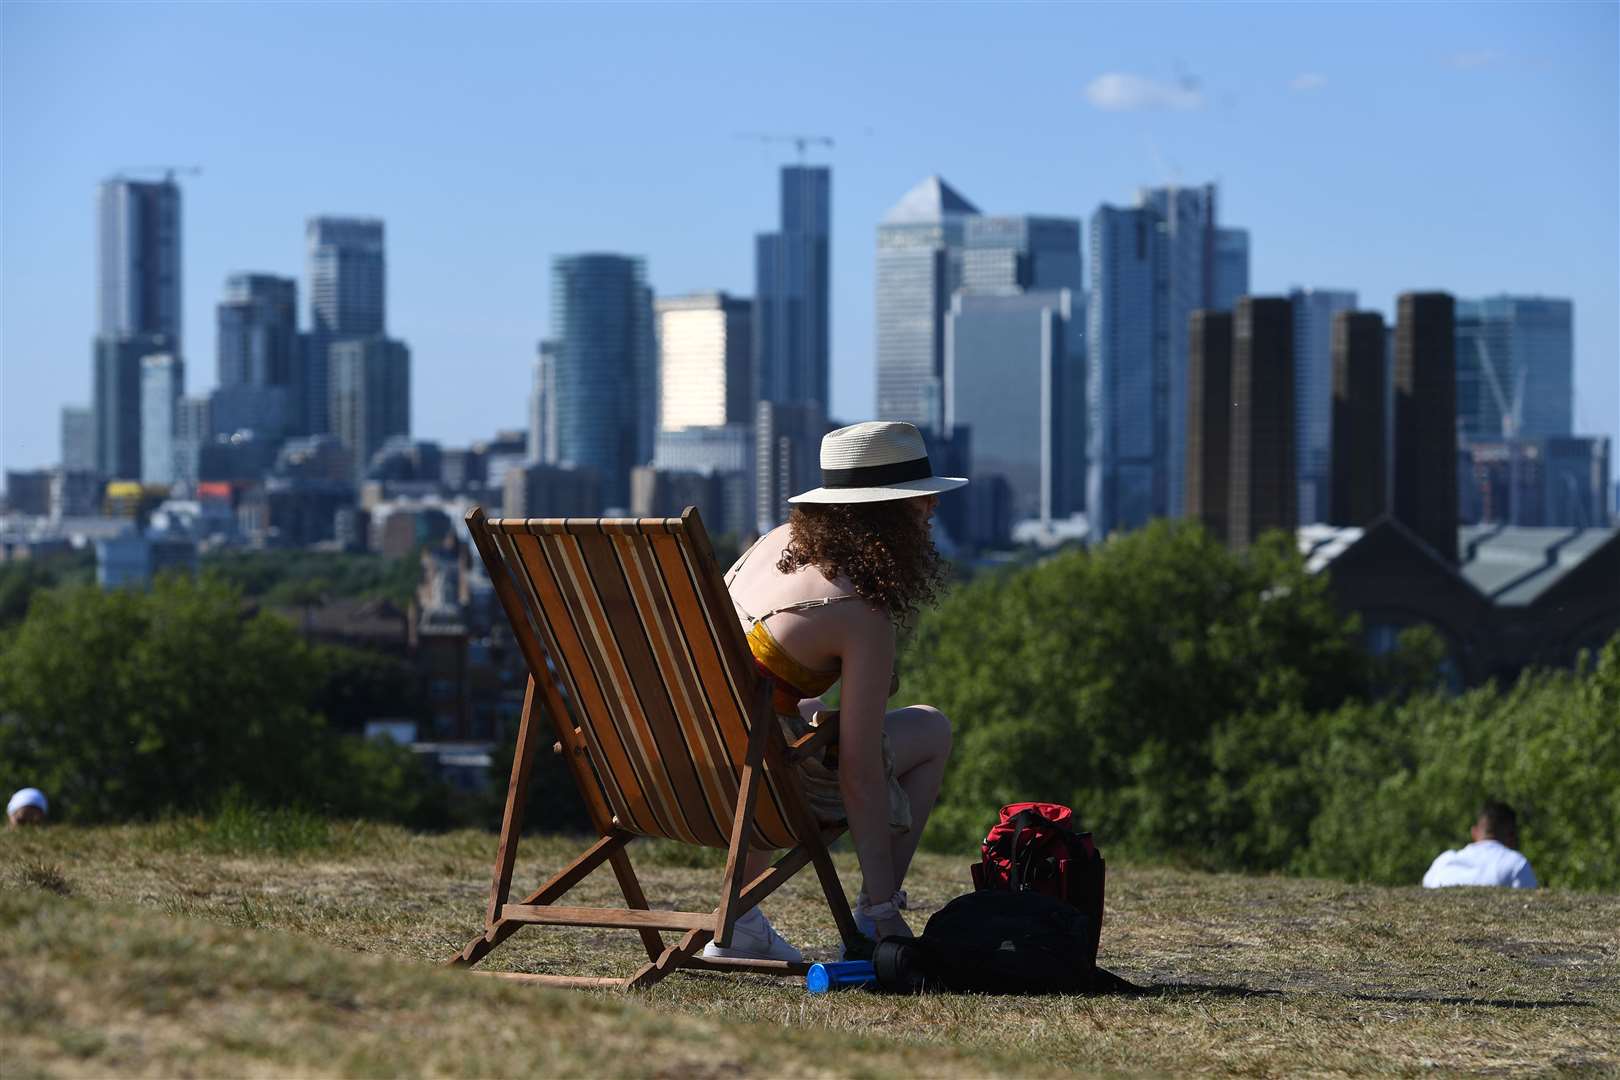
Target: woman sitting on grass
<point>864,536</point>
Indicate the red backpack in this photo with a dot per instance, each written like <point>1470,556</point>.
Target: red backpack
<point>1035,848</point>
<point>1031,926</point>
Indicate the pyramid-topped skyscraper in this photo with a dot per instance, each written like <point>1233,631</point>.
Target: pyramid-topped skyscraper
<point>919,266</point>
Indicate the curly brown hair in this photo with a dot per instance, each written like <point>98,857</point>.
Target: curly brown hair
<point>885,549</point>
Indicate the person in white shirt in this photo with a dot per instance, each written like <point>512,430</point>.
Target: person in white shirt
<point>27,807</point>
<point>1492,859</point>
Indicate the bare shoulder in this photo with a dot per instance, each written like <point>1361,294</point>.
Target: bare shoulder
<point>864,624</point>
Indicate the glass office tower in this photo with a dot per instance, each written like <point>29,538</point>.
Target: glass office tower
<point>920,245</point>
<point>1152,266</point>
<point>162,382</point>
<point>1515,367</point>
<point>139,259</point>
<point>1123,482</point>
<point>792,320</point>
<point>1010,373</point>
<point>606,367</point>
<point>1020,253</point>
<point>1313,312</point>
<point>1231,268</point>
<point>347,299</point>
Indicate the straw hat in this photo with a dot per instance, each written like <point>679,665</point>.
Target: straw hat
<point>875,461</point>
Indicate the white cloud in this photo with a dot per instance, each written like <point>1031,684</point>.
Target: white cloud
<point>1117,91</point>
<point>1475,59</point>
<point>1307,81</point>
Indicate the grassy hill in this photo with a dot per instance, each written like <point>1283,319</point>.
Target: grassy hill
<point>287,946</point>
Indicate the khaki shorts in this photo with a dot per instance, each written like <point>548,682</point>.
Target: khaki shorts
<point>820,781</point>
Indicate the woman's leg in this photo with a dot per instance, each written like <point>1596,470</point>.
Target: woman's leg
<point>920,737</point>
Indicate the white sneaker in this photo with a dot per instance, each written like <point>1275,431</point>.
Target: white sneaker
<point>753,938</point>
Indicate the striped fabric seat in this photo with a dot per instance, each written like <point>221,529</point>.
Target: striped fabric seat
<point>657,672</point>
<point>637,658</point>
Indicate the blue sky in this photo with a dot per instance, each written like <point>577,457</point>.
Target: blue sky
<point>1380,147</point>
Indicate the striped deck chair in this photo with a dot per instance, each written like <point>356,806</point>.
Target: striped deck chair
<point>636,654</point>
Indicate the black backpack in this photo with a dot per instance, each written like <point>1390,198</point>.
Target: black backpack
<point>994,942</point>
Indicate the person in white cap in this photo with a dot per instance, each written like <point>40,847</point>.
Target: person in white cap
<point>821,598</point>
<point>27,807</point>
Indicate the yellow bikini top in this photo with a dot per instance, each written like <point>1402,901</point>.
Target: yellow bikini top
<point>791,681</point>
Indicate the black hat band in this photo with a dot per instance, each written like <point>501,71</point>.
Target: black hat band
<point>865,476</point>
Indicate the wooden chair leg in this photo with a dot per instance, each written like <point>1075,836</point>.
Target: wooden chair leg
<point>827,873</point>
<point>672,959</point>
<point>742,825</point>
<point>630,885</point>
<point>517,798</point>
<point>572,874</point>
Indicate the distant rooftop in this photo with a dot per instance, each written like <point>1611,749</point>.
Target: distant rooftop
<point>1321,544</point>
<point>1510,565</point>
<point>1515,564</point>
<point>930,201</point>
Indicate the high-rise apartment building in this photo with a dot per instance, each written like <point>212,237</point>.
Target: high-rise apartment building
<point>163,380</point>
<point>1152,266</point>
<point>543,406</point>
<point>78,439</point>
<point>370,395</point>
<point>920,245</point>
<point>138,310</point>
<point>1314,312</point>
<point>139,259</point>
<point>117,397</point>
<point>1209,420</point>
<point>705,344</point>
<point>1425,471</point>
<point>260,357</point>
<point>1515,367</point>
<point>792,318</point>
<point>193,429</point>
<point>347,299</point>
<point>606,367</point>
<point>1010,378</point>
<point>257,343</point>
<point>1231,268</point>
<point>1262,478</point>
<point>1358,493</point>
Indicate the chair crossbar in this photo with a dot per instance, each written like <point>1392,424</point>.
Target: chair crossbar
<point>623,919</point>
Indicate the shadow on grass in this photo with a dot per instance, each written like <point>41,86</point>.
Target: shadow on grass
<point>1187,989</point>
<point>1491,1003</point>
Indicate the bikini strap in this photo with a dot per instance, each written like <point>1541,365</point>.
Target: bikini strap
<point>800,605</point>
<point>738,565</point>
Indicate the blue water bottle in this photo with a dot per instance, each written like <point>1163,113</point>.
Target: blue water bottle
<point>842,975</point>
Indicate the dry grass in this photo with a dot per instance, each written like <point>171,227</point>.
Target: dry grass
<point>163,950</point>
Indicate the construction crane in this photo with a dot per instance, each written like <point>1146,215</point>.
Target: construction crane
<point>169,171</point>
<point>799,141</point>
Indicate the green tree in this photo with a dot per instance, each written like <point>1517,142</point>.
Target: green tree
<point>1400,783</point>
<point>1097,678</point>
<point>126,704</point>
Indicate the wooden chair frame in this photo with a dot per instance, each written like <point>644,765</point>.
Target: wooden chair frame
<point>767,751</point>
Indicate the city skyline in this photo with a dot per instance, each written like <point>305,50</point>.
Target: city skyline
<point>1443,208</point>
